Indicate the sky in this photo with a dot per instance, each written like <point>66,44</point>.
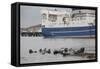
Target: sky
<point>30,16</point>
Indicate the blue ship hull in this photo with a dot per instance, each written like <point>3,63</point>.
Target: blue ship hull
<point>86,31</point>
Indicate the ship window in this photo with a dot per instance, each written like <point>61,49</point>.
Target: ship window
<point>52,18</point>
<point>44,16</point>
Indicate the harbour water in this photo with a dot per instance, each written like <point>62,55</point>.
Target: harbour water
<point>36,43</point>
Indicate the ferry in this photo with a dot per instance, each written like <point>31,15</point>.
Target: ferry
<point>68,23</point>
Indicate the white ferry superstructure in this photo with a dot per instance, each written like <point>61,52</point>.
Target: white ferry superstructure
<point>69,23</point>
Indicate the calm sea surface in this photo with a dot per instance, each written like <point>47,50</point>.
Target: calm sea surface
<point>35,43</point>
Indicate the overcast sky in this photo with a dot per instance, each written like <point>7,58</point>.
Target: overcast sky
<point>30,16</point>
